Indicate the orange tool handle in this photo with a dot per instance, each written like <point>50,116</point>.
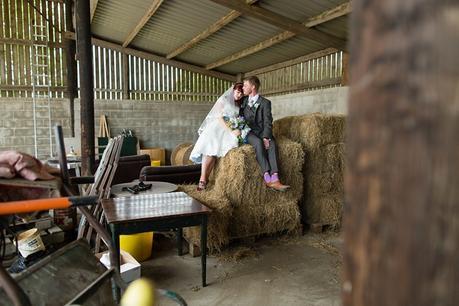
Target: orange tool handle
<point>17,207</point>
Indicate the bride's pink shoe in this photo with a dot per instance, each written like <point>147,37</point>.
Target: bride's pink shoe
<point>201,186</point>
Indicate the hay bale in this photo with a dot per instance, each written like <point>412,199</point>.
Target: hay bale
<point>324,209</point>
<point>239,177</point>
<point>181,154</point>
<point>273,217</point>
<point>328,158</point>
<point>323,184</point>
<point>311,130</point>
<point>241,204</point>
<point>219,218</point>
<point>322,137</point>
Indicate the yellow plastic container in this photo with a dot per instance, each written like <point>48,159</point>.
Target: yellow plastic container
<point>138,245</point>
<point>156,163</point>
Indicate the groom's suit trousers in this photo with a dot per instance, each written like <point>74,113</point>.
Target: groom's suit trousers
<point>267,159</point>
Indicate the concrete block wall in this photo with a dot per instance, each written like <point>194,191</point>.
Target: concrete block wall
<point>16,124</point>
<point>328,100</point>
<point>156,124</point>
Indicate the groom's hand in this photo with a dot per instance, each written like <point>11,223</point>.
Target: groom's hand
<point>266,143</point>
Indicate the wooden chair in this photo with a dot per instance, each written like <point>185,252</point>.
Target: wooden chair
<point>100,182</point>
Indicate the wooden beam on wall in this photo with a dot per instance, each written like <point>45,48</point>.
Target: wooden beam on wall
<point>345,76</point>
<point>150,12</point>
<point>207,32</point>
<point>325,16</point>
<point>283,22</point>
<point>303,86</point>
<point>27,42</point>
<point>157,58</point>
<point>401,214</point>
<point>93,4</point>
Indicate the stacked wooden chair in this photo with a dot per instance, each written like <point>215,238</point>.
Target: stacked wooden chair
<point>100,183</point>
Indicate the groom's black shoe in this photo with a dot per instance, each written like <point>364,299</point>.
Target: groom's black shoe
<point>278,186</point>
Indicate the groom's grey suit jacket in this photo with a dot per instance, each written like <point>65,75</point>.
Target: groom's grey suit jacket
<point>259,120</point>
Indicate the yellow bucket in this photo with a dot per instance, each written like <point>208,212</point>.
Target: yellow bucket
<point>138,245</point>
<point>156,163</point>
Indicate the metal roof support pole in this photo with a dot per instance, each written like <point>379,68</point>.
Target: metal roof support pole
<point>84,49</point>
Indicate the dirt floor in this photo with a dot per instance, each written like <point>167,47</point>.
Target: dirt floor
<point>271,271</point>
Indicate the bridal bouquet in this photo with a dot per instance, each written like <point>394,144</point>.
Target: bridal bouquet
<point>238,123</point>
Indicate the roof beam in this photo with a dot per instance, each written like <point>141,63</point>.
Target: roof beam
<point>325,16</point>
<point>338,11</point>
<point>150,12</point>
<point>93,6</point>
<point>207,32</point>
<point>156,58</point>
<point>283,22</point>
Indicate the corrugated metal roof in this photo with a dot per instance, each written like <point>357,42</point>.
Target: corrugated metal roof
<point>238,35</point>
<point>337,27</point>
<point>177,21</point>
<point>299,10</point>
<point>292,48</point>
<point>115,19</point>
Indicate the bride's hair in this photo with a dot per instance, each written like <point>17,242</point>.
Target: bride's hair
<point>238,87</point>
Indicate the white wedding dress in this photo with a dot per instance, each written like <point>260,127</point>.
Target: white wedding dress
<point>214,139</point>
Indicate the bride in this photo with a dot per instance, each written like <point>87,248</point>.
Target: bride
<point>216,138</point>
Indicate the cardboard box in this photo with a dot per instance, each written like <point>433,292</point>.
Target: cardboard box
<point>129,267</point>
<point>155,154</point>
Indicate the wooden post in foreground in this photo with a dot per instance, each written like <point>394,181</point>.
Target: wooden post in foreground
<point>401,219</point>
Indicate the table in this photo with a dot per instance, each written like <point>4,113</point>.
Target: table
<point>157,187</point>
<point>72,163</point>
<point>157,212</point>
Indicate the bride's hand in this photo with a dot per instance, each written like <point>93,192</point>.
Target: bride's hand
<point>236,132</point>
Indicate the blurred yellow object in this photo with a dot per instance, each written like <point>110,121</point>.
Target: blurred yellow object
<point>156,163</point>
<point>140,292</point>
<point>138,245</point>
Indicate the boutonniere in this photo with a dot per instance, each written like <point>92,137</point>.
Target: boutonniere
<point>255,106</point>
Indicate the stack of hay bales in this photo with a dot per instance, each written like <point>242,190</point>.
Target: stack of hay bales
<point>242,205</point>
<point>219,219</point>
<point>322,139</point>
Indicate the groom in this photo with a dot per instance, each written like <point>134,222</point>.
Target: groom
<point>257,112</point>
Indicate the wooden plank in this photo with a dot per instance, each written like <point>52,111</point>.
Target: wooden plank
<point>150,12</point>
<point>283,22</point>
<point>345,73</point>
<point>157,58</point>
<point>27,42</point>
<point>207,32</point>
<point>401,229</point>
<point>336,12</point>
<point>125,76</point>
